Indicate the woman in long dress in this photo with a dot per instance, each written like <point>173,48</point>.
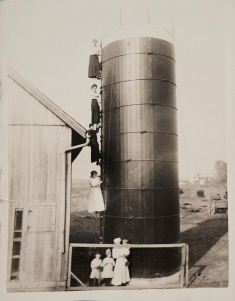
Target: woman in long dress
<point>121,271</point>
<point>96,202</point>
<point>95,151</point>
<point>95,108</point>
<point>94,64</point>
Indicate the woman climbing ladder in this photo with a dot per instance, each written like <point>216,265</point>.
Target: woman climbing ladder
<point>94,63</point>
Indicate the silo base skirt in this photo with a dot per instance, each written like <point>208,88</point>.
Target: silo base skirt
<point>156,282</point>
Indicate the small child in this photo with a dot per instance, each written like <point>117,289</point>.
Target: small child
<point>108,264</point>
<point>96,266</point>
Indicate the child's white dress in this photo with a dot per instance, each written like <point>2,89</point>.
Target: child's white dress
<point>96,202</point>
<point>121,271</point>
<point>108,264</point>
<point>95,273</point>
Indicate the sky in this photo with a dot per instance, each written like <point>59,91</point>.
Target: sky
<point>49,44</point>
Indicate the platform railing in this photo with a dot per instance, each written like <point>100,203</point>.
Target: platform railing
<point>182,271</point>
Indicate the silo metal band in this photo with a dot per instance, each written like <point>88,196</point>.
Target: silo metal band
<point>141,132</point>
<point>141,217</point>
<point>134,160</point>
<point>144,188</point>
<point>131,80</point>
<point>141,104</point>
<point>149,53</point>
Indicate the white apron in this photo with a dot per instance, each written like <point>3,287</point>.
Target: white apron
<point>108,264</point>
<point>96,202</point>
<point>95,273</point>
<point>121,271</point>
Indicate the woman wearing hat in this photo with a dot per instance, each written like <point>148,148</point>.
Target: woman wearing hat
<point>94,64</point>
<point>121,271</point>
<point>96,202</point>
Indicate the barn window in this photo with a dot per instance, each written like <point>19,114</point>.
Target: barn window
<point>15,266</point>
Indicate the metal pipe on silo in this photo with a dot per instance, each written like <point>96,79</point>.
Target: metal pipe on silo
<point>139,136</point>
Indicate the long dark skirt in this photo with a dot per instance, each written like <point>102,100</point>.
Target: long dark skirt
<point>95,152</point>
<point>95,112</point>
<point>94,66</point>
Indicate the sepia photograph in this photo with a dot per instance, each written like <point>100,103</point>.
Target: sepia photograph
<point>113,172</point>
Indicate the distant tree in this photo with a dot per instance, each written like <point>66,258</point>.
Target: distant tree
<point>200,193</point>
<point>221,172</point>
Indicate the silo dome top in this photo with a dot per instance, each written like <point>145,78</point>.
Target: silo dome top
<point>129,23</point>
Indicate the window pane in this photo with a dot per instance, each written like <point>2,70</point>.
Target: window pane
<point>16,248</point>
<point>17,235</point>
<point>18,220</point>
<point>15,268</point>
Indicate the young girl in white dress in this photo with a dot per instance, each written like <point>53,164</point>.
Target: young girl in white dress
<point>108,264</point>
<point>96,266</point>
<point>96,202</point>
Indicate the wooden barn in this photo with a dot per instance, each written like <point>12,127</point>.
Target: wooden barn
<point>39,187</point>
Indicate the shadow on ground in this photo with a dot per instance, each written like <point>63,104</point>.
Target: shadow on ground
<point>203,237</point>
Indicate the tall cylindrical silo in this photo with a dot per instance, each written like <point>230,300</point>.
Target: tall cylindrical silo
<point>139,136</point>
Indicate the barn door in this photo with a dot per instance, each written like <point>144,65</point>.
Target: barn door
<point>39,248</point>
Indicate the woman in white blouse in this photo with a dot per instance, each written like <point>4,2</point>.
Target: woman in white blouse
<point>121,271</point>
<point>95,108</point>
<point>96,202</point>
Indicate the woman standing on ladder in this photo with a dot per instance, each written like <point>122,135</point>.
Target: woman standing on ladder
<point>96,202</point>
<point>95,108</point>
<point>94,63</point>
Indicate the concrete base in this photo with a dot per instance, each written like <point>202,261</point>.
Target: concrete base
<point>170,281</point>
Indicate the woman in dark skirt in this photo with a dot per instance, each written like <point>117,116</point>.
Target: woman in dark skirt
<point>94,64</point>
<point>95,108</point>
<point>95,152</point>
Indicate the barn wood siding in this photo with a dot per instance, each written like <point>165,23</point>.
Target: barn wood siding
<point>24,109</point>
<point>37,141</point>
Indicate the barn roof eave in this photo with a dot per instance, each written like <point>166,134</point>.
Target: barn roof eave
<point>50,105</point>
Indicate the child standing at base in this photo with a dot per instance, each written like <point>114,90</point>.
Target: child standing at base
<point>108,264</point>
<point>96,266</point>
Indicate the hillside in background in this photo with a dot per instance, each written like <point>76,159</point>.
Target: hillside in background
<point>81,192</point>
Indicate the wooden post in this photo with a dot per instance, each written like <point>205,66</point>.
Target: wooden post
<point>183,254</point>
<point>68,162</point>
<point>187,265</point>
<point>4,197</point>
<point>69,266</point>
